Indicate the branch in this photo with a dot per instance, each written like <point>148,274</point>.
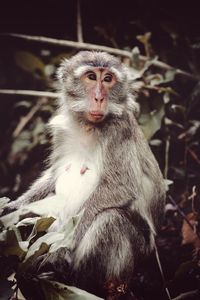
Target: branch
<point>81,45</point>
<point>79,23</point>
<point>167,146</point>
<point>70,44</point>
<point>24,120</point>
<point>161,272</point>
<point>183,216</point>
<point>29,93</point>
<point>194,155</point>
<point>186,295</point>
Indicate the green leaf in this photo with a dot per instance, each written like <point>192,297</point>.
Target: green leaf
<point>26,104</point>
<point>155,142</point>
<point>170,75</point>
<point>29,62</point>
<point>154,79</point>
<point>138,72</point>
<point>48,239</point>
<point>151,123</point>
<point>157,78</point>
<point>12,244</point>
<point>44,223</point>
<point>169,122</point>
<point>68,232</point>
<point>145,38</point>
<point>27,221</point>
<point>184,268</point>
<point>178,108</point>
<point>58,291</point>
<point>43,248</point>
<point>39,225</point>
<point>136,57</point>
<point>21,142</point>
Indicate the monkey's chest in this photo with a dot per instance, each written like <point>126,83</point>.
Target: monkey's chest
<point>76,180</point>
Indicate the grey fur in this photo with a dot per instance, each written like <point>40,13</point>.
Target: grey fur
<point>123,213</point>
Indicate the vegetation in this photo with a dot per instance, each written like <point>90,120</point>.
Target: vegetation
<point>162,54</point>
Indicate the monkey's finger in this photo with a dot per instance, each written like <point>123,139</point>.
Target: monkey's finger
<point>47,275</point>
<point>7,210</point>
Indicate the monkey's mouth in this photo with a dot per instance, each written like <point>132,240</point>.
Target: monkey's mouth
<point>96,116</point>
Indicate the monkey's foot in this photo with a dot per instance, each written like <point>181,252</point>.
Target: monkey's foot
<point>115,290</point>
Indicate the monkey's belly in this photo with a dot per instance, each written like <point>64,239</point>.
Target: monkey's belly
<point>76,182</point>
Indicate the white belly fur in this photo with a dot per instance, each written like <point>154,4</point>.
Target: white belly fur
<point>74,186</point>
<point>80,150</point>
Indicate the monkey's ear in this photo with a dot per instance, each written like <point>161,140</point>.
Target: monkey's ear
<point>62,71</point>
<point>135,86</point>
<point>134,89</point>
<point>133,106</point>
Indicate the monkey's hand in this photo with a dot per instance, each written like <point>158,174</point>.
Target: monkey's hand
<point>9,208</point>
<point>51,266</point>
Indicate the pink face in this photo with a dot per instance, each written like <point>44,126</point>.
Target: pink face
<point>97,83</point>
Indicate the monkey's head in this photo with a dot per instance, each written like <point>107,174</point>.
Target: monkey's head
<point>95,85</point>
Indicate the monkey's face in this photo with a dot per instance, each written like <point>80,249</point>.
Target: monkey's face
<point>97,83</point>
<point>94,85</point>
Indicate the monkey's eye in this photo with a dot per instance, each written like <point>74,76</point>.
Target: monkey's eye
<point>92,76</point>
<point>108,78</point>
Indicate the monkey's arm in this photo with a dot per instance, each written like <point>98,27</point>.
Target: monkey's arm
<point>39,189</point>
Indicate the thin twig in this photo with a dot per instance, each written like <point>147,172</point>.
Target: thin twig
<point>24,120</point>
<point>88,46</point>
<point>79,23</point>
<point>183,216</point>
<point>186,295</point>
<point>192,198</point>
<point>194,156</point>
<point>70,44</point>
<point>167,157</point>
<point>161,272</point>
<point>29,93</point>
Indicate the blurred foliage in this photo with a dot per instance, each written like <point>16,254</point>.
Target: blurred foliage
<point>26,240</point>
<point>170,118</point>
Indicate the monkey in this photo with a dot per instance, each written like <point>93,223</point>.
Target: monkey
<point>100,165</point>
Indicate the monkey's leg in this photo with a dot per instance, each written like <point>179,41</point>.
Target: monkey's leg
<point>108,252</point>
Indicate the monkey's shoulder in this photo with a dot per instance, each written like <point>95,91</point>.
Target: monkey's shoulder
<point>58,123</point>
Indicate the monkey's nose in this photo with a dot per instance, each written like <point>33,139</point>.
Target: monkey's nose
<point>98,99</point>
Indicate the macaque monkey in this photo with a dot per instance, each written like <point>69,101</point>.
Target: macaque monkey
<point>100,165</point>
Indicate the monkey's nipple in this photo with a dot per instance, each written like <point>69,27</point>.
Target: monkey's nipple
<point>83,169</point>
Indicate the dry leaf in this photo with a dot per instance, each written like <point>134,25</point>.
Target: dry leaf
<point>189,235</point>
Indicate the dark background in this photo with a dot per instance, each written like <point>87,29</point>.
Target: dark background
<point>175,29</point>
<point>125,20</point>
